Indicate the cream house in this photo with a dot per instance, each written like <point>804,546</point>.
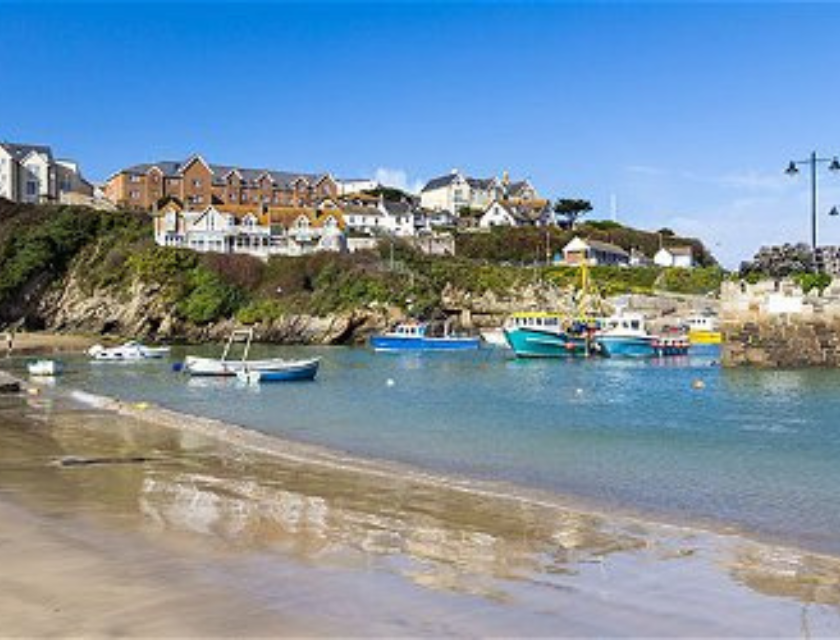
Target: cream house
<point>456,191</point>
<point>594,252</point>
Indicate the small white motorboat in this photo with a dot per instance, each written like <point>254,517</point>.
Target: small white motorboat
<point>129,351</point>
<point>44,368</point>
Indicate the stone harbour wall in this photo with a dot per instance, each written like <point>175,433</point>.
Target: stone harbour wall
<point>775,325</point>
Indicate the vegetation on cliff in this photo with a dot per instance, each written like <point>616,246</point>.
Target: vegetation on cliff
<point>41,246</point>
<point>527,245</point>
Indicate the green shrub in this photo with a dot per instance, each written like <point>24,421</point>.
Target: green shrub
<point>810,281</point>
<point>209,298</point>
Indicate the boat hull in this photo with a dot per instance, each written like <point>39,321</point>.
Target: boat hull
<point>627,346</point>
<point>422,343</point>
<point>269,370</point>
<point>705,337</point>
<point>533,343</point>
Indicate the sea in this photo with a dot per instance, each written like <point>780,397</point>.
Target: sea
<point>676,439</point>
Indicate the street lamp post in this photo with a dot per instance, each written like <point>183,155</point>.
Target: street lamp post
<point>812,162</point>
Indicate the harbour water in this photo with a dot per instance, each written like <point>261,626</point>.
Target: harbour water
<point>677,439</point>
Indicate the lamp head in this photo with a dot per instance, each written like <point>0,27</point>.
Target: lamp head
<point>835,165</point>
<point>791,169</point>
<point>834,212</point>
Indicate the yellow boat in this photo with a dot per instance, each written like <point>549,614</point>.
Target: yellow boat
<point>703,329</point>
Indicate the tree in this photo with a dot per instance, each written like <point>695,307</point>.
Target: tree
<point>572,209</point>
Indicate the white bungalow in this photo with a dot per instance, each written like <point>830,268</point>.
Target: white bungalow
<point>675,257</point>
<point>594,252</point>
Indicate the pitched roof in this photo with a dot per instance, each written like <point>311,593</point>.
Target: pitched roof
<point>606,246</point>
<point>397,208</point>
<point>680,251</point>
<point>171,169</point>
<point>19,151</point>
<point>440,182</point>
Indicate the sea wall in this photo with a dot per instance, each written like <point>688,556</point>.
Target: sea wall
<point>774,324</point>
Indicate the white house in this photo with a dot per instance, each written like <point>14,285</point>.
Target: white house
<point>386,218</point>
<point>594,253</point>
<point>510,213</point>
<point>675,257</point>
<point>455,191</point>
<point>284,231</point>
<point>29,173</point>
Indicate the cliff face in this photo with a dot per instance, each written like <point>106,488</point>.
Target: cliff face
<point>142,311</point>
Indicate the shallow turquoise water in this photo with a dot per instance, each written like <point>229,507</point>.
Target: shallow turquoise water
<point>757,449</point>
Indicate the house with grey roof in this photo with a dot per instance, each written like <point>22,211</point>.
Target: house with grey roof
<point>675,257</point>
<point>515,213</point>
<point>198,183</point>
<point>30,173</point>
<point>456,191</point>
<point>594,252</point>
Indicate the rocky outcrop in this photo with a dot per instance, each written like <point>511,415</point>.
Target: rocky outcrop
<point>142,311</point>
<point>773,324</point>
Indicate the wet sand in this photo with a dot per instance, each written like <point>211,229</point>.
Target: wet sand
<point>169,525</point>
<point>45,343</point>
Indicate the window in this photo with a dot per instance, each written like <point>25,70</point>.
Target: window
<point>134,195</point>
<point>31,188</point>
<point>197,182</point>
<point>134,179</point>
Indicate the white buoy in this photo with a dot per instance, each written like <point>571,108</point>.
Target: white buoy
<point>390,382</point>
<point>578,391</point>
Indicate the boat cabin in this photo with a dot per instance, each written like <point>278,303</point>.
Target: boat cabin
<point>702,323</point>
<point>410,330</point>
<point>626,323</point>
<point>534,320</point>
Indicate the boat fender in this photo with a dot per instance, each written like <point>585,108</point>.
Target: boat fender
<point>177,367</point>
<point>33,391</point>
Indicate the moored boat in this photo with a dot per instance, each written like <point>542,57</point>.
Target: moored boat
<point>495,337</point>
<point>267,370</point>
<point>625,335</point>
<point>129,351</point>
<point>44,368</point>
<point>703,328</point>
<point>414,336</point>
<point>672,345</point>
<point>540,334</point>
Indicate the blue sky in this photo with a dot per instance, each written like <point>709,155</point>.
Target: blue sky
<point>686,113</point>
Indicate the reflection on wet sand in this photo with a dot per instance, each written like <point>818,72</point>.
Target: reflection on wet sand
<point>530,558</point>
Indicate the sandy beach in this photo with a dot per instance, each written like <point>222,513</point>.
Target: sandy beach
<point>45,343</point>
<point>127,519</point>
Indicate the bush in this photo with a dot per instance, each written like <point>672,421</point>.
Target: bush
<point>810,281</point>
<point>209,298</point>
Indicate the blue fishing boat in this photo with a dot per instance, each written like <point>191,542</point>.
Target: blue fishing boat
<point>541,334</point>
<point>415,337</point>
<point>288,371</point>
<point>625,335</point>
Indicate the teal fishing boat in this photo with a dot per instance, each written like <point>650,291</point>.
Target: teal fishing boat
<point>547,335</point>
<point>541,334</point>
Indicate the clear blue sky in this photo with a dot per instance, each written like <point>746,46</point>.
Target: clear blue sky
<point>686,112</point>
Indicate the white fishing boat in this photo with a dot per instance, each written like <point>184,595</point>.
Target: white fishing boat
<point>495,338</point>
<point>44,368</point>
<point>268,370</point>
<point>132,350</point>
